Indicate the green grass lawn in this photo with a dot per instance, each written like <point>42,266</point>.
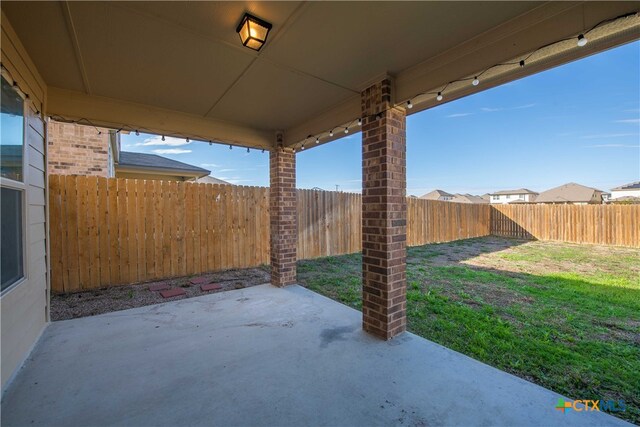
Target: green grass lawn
<point>564,316</point>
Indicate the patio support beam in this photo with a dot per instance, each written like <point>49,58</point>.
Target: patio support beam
<point>283,214</point>
<point>384,212</point>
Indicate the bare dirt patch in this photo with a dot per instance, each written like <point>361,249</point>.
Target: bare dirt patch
<point>90,303</point>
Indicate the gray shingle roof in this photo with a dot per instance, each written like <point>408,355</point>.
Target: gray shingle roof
<point>519,191</point>
<point>630,186</point>
<point>153,161</point>
<point>570,193</point>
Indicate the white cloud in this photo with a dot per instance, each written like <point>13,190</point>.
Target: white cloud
<point>226,170</point>
<point>210,165</point>
<point>171,151</point>
<point>168,140</point>
<point>450,116</point>
<point>519,107</point>
<point>608,135</point>
<point>628,121</point>
<point>613,146</point>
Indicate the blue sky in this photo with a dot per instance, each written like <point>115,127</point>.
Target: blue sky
<point>575,123</point>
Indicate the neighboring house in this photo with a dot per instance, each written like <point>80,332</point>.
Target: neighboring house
<point>85,150</point>
<point>631,190</point>
<point>509,196</point>
<point>152,166</point>
<point>438,195</point>
<point>211,180</point>
<point>469,198</point>
<point>571,193</point>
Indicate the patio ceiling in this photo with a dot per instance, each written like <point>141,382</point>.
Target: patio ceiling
<point>179,67</point>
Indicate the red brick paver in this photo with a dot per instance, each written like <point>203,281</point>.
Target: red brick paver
<point>169,293</point>
<point>200,280</point>
<point>160,286</point>
<point>210,287</point>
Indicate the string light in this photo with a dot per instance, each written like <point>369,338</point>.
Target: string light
<point>263,151</point>
<point>248,150</point>
<point>187,140</point>
<point>302,148</point>
<point>230,147</point>
<point>346,130</point>
<point>582,40</point>
<point>210,143</point>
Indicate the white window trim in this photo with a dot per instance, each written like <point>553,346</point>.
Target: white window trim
<point>21,186</point>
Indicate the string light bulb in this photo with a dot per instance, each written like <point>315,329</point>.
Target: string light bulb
<point>331,132</point>
<point>360,121</point>
<point>475,81</point>
<point>522,63</point>
<point>187,139</point>
<point>317,140</point>
<point>210,143</point>
<point>346,130</point>
<point>248,151</point>
<point>439,97</point>
<point>582,40</point>
<point>163,137</point>
<point>230,147</point>
<point>302,148</point>
<point>409,104</point>
<point>137,133</point>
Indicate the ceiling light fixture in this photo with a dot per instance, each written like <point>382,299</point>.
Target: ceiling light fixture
<point>253,31</point>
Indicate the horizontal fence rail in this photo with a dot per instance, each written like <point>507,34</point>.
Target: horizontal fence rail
<point>598,224</point>
<point>115,231</point>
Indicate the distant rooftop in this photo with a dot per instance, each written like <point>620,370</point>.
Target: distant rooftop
<point>518,191</point>
<point>630,186</point>
<point>569,193</point>
<point>153,161</point>
<point>435,194</point>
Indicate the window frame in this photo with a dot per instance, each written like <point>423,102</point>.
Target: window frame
<point>22,187</point>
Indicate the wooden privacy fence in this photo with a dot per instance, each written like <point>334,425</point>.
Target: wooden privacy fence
<point>430,221</point>
<point>116,231</point>
<point>108,232</point>
<point>598,224</point>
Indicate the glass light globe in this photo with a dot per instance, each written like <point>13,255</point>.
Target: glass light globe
<point>439,97</point>
<point>582,40</point>
<point>475,81</point>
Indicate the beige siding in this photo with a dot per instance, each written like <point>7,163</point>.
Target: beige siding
<point>24,307</point>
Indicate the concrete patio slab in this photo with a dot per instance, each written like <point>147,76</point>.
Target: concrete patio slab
<point>262,356</point>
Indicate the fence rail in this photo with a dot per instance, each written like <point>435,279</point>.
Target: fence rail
<point>115,231</point>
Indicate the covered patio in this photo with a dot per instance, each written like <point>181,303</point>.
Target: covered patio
<point>272,355</point>
<point>263,356</point>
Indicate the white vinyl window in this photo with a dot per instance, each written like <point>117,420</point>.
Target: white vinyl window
<point>12,186</point>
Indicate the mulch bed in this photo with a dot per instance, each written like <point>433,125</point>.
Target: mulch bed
<point>99,301</point>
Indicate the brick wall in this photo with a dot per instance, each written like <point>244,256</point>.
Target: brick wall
<point>384,213</point>
<point>284,216</point>
<point>77,150</point>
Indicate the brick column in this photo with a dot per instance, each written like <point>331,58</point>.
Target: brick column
<point>384,213</point>
<point>284,216</point>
